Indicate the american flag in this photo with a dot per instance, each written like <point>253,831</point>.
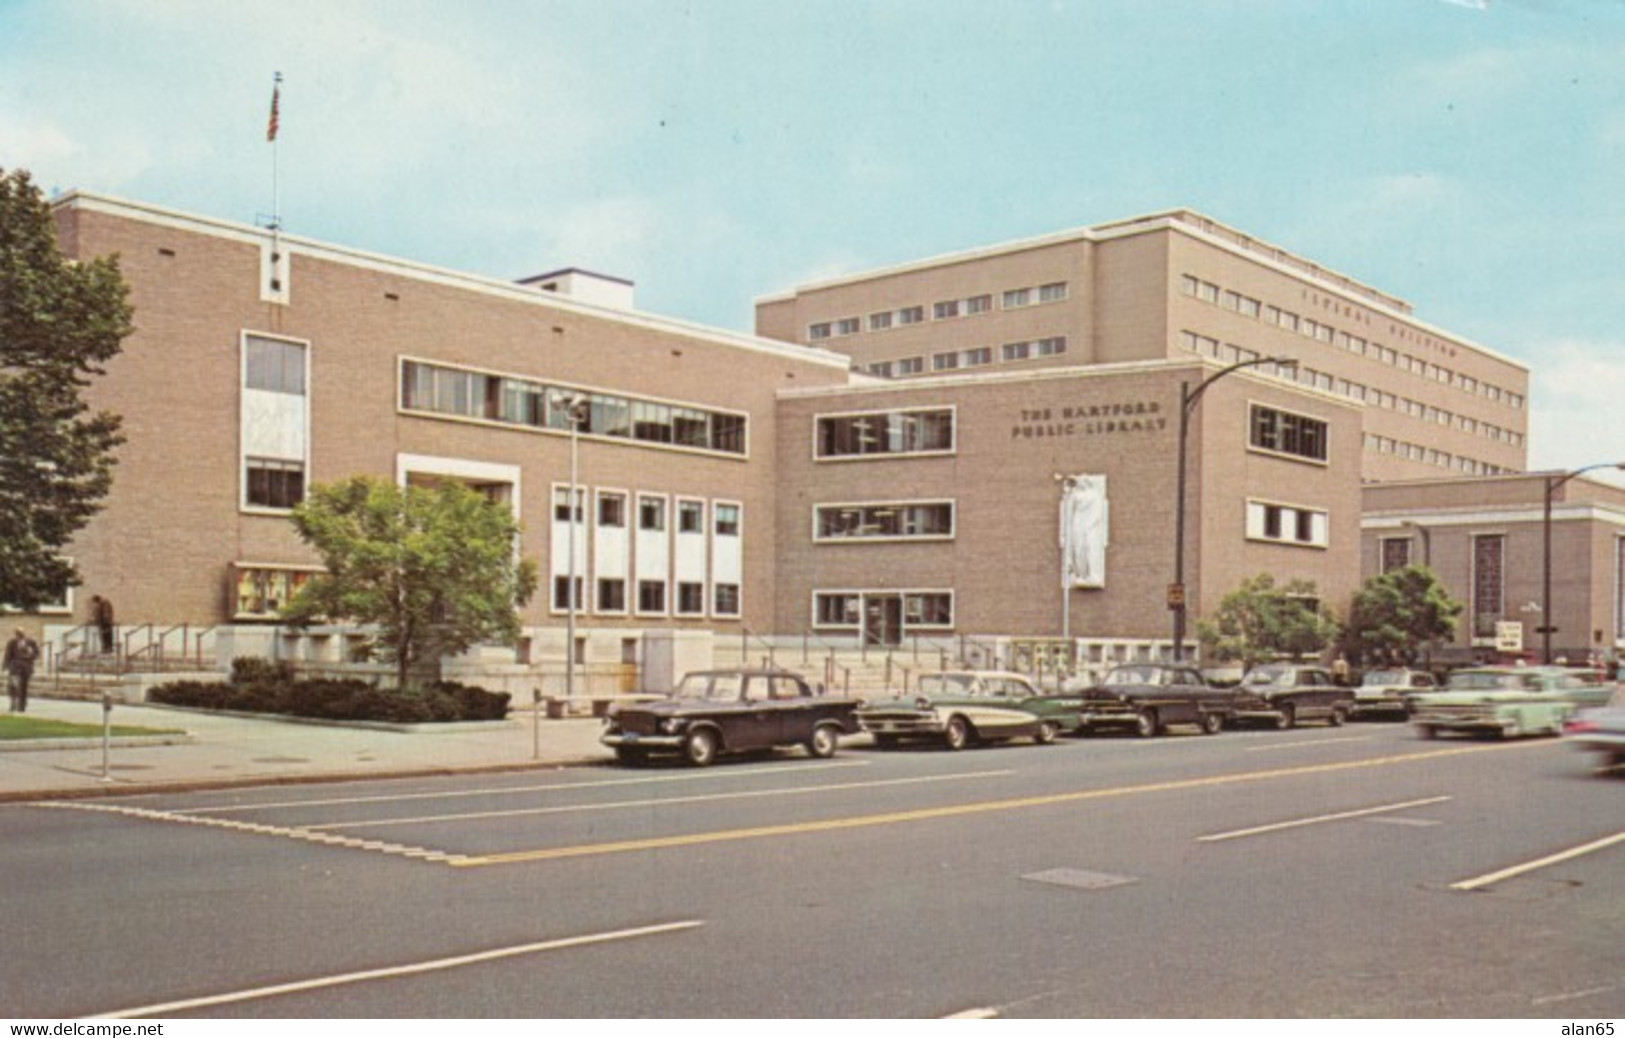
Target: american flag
<point>276,101</point>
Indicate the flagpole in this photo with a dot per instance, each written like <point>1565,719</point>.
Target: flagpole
<point>276,202</point>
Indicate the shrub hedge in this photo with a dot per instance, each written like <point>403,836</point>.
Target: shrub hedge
<point>261,686</point>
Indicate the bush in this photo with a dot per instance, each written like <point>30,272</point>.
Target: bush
<point>261,686</point>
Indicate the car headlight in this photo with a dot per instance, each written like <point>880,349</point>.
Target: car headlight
<point>922,703</point>
<point>672,725</point>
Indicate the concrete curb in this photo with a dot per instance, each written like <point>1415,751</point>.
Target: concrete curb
<point>94,742</point>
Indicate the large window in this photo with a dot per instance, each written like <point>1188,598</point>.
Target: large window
<point>886,432</point>
<point>1287,524</point>
<point>1489,583</point>
<point>1396,553</point>
<point>461,393</point>
<point>922,520</point>
<point>262,591</point>
<point>1286,433</point>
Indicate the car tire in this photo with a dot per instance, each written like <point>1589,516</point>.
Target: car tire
<point>1287,717</point>
<point>823,741</point>
<point>1338,717</point>
<point>1212,723</point>
<point>631,756</point>
<point>1146,724</point>
<point>956,736</point>
<point>1047,731</point>
<point>700,748</point>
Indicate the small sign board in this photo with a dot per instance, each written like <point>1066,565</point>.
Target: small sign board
<point>1176,596</point>
<point>1509,636</point>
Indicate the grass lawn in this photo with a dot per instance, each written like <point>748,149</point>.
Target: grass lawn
<point>17,726</point>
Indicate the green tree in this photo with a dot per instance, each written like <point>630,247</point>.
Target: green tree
<point>1259,622</point>
<point>433,568</point>
<point>1396,614</point>
<point>60,322</point>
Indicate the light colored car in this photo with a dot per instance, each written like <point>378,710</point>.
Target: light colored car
<point>958,708</point>
<point>1601,729</point>
<point>1384,691</point>
<point>1506,701</point>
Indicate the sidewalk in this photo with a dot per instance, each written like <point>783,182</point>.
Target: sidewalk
<point>233,751</point>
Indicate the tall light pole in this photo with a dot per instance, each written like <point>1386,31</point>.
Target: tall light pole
<point>1187,403</point>
<point>574,406</point>
<point>1546,615</point>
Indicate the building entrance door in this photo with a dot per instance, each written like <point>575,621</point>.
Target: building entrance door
<point>882,619</point>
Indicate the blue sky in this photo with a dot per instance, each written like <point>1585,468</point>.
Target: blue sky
<point>1466,155</point>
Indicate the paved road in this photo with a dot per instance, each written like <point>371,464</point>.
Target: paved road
<point>1309,873</point>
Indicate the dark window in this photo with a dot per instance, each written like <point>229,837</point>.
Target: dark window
<point>561,592</point>
<point>651,596</point>
<point>1288,433</point>
<point>727,599</point>
<point>612,510</point>
<point>275,484</point>
<point>690,598</point>
<point>651,513</point>
<point>690,517</point>
<point>611,595</point>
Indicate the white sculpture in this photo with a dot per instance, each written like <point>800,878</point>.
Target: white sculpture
<point>1085,532</point>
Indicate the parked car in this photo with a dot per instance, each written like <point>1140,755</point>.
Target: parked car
<point>962,707</point>
<point>1285,693</point>
<point>1148,697</point>
<point>1384,691</point>
<point>1506,701</point>
<point>1601,729</point>
<point>731,711</point>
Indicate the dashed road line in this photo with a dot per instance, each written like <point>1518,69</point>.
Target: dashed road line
<point>1296,823</point>
<point>1480,882</point>
<point>958,810</point>
<point>492,791</point>
<point>287,832</point>
<point>389,972</point>
<point>657,802</point>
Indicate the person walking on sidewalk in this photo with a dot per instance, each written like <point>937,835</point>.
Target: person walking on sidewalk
<point>101,614</point>
<point>21,652</point>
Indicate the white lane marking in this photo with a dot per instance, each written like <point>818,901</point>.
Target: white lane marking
<point>1278,826</point>
<point>657,802</point>
<point>974,1014</point>
<point>388,972</point>
<point>287,832</point>
<point>1570,996</point>
<point>689,776</point>
<point>1305,742</point>
<point>1492,878</point>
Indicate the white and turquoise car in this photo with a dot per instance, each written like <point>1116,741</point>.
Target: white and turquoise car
<point>1506,701</point>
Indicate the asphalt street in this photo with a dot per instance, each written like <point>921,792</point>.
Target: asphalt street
<point>1316,872</point>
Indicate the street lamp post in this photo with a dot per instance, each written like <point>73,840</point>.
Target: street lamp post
<point>573,405</point>
<point>1546,614</point>
<point>1188,398</point>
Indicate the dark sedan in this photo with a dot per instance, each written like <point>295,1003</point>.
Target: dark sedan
<point>1283,694</point>
<point>731,711</point>
<point>1146,698</point>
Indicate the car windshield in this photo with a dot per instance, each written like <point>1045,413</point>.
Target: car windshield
<point>1137,676</point>
<point>1269,674</point>
<point>1491,681</point>
<point>948,685</point>
<point>717,688</point>
<point>1383,677</point>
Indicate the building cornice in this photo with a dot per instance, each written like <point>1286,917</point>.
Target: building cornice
<point>493,287</point>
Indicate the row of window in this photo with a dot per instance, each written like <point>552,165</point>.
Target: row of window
<point>1208,292</point>
<point>928,520</point>
<point>497,398</point>
<point>1230,353</point>
<point>610,597</point>
<point>612,512</point>
<point>874,433</point>
<point>942,310</point>
<point>976,356</point>
<point>845,609</point>
<point>1433,456</point>
<point>1288,524</point>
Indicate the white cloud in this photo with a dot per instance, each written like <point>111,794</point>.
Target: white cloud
<point>1577,406</point>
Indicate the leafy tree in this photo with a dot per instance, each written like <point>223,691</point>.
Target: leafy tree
<point>1259,622</point>
<point>60,322</point>
<point>1396,613</point>
<point>433,568</point>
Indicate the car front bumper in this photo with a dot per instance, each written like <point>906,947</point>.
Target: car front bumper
<point>634,741</point>
<point>903,724</point>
